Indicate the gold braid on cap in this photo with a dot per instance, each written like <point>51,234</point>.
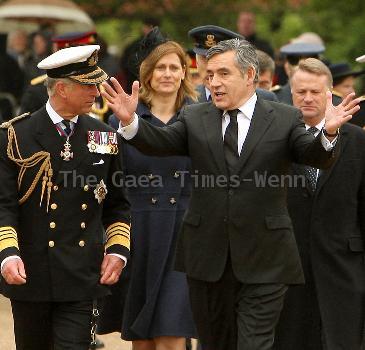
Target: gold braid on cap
<point>25,163</point>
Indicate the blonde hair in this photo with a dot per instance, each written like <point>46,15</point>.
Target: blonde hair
<point>186,89</point>
<point>314,66</point>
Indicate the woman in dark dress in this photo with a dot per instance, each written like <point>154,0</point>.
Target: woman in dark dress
<point>157,313</point>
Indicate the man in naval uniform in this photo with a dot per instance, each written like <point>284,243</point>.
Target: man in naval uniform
<point>64,217</point>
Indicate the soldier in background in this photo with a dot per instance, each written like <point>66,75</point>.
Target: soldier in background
<point>204,38</point>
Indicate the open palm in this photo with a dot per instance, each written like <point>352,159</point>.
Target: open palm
<point>122,104</point>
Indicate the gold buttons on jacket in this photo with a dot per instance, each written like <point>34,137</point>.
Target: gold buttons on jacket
<point>52,224</point>
<point>54,206</point>
<point>83,206</point>
<point>55,188</point>
<point>176,175</point>
<point>51,244</point>
<point>82,225</point>
<point>172,200</point>
<point>82,243</point>
<point>86,188</point>
<point>153,200</point>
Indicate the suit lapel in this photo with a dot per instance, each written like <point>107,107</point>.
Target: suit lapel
<point>260,122</point>
<point>212,120</point>
<point>325,174</point>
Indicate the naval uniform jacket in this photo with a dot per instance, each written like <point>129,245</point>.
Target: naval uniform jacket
<point>247,220</point>
<point>62,249</point>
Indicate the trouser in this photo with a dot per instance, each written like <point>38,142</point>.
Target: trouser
<point>52,325</point>
<point>231,315</point>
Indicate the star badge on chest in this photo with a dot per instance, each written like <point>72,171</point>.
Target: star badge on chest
<point>100,191</point>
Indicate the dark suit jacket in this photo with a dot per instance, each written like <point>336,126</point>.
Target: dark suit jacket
<point>69,270</point>
<point>329,227</point>
<point>246,218</point>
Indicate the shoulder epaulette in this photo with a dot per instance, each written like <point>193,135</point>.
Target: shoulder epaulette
<point>6,125</point>
<point>275,88</point>
<point>38,80</point>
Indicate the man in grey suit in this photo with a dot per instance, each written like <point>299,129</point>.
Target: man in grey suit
<point>236,243</point>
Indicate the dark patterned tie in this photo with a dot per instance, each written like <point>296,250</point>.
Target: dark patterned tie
<point>67,124</point>
<point>311,173</point>
<point>231,141</point>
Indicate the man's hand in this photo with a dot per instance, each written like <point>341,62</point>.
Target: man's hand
<point>14,272</point>
<point>122,104</point>
<point>337,115</point>
<point>111,269</point>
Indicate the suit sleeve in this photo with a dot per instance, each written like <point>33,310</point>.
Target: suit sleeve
<point>167,141</point>
<point>8,202</point>
<point>116,210</point>
<point>307,149</point>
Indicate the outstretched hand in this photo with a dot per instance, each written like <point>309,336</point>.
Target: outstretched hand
<point>122,104</point>
<point>338,115</point>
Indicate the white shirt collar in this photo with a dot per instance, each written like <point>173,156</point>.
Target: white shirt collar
<point>319,126</point>
<point>207,93</point>
<point>247,108</point>
<point>56,118</point>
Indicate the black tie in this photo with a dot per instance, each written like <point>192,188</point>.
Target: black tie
<point>231,141</point>
<point>67,124</point>
<point>311,173</point>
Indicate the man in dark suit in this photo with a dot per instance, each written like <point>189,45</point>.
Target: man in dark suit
<point>328,215</point>
<point>204,38</point>
<point>236,243</point>
<point>64,219</point>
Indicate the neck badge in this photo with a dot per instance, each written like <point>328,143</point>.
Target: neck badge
<point>104,142</point>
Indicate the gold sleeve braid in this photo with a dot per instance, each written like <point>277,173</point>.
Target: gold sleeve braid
<point>118,233</point>
<point>25,163</point>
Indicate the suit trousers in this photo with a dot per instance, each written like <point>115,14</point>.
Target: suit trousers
<point>231,315</point>
<point>52,325</point>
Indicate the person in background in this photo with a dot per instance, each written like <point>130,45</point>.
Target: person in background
<point>204,38</point>
<point>128,61</point>
<point>64,222</point>
<point>293,53</point>
<point>328,214</point>
<point>343,78</point>
<point>266,70</point>
<point>17,46</point>
<point>157,312</point>
<point>193,68</point>
<point>246,26</point>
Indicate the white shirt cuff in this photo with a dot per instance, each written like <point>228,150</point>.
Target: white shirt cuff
<point>121,257</point>
<point>7,259</point>
<point>129,131</point>
<point>327,144</point>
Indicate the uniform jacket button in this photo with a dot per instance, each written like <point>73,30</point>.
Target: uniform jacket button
<point>176,175</point>
<point>52,224</point>
<point>84,206</point>
<point>54,206</point>
<point>153,200</point>
<point>82,243</point>
<point>51,244</point>
<point>55,188</point>
<point>86,188</point>
<point>82,225</point>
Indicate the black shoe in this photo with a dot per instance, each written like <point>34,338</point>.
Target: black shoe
<point>98,344</point>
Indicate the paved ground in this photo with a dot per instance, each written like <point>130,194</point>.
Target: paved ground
<point>112,341</point>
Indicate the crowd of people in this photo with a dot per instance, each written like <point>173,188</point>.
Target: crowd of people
<point>173,194</point>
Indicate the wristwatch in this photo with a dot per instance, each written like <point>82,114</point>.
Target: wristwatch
<point>331,135</point>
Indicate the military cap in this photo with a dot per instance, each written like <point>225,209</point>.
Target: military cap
<point>295,51</point>
<point>361,59</point>
<point>74,39</point>
<point>78,63</point>
<point>341,70</point>
<point>208,36</point>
